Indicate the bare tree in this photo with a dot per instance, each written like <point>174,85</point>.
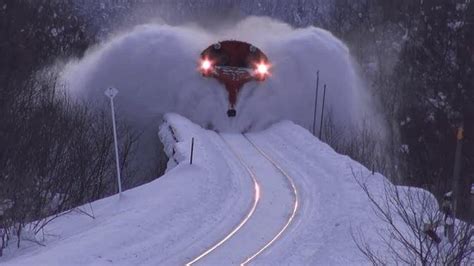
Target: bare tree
<point>412,229</point>
<point>56,155</point>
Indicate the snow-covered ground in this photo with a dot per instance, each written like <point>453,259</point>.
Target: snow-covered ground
<point>189,210</point>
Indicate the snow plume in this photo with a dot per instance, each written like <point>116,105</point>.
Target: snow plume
<point>155,69</point>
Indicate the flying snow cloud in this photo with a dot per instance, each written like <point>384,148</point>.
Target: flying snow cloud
<point>154,67</point>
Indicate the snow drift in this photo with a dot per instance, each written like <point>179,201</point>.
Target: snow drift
<point>170,220</point>
<point>161,223</point>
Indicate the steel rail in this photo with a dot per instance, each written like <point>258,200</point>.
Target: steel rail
<point>247,217</point>
<point>295,205</point>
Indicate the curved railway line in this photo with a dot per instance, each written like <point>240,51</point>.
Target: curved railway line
<point>258,195</point>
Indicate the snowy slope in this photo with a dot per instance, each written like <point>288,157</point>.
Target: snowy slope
<point>176,218</point>
<point>331,202</point>
<point>158,223</point>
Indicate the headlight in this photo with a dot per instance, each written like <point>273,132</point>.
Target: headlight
<point>262,69</point>
<point>206,65</point>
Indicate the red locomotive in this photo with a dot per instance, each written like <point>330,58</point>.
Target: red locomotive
<point>234,63</point>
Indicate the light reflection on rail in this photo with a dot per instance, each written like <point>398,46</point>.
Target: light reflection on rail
<point>295,205</point>
<point>244,221</point>
<point>254,206</point>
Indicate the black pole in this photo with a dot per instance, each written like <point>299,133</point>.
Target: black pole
<point>457,167</point>
<point>322,113</point>
<point>192,151</point>
<point>315,103</point>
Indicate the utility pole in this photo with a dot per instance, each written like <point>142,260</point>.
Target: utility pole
<point>322,113</point>
<point>111,93</point>
<point>315,103</point>
<point>192,151</point>
<point>457,167</point>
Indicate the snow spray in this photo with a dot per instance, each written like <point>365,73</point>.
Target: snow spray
<point>154,66</point>
<point>155,69</point>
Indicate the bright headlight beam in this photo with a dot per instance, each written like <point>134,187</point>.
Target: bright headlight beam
<point>206,64</point>
<point>262,69</point>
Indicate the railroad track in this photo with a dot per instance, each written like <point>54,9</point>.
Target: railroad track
<point>252,216</point>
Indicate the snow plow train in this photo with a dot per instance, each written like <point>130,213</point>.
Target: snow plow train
<point>234,63</point>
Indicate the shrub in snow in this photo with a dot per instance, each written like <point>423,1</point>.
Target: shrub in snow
<point>413,229</point>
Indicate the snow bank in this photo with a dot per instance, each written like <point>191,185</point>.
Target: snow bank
<point>159,223</point>
<point>178,216</point>
<point>333,205</point>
